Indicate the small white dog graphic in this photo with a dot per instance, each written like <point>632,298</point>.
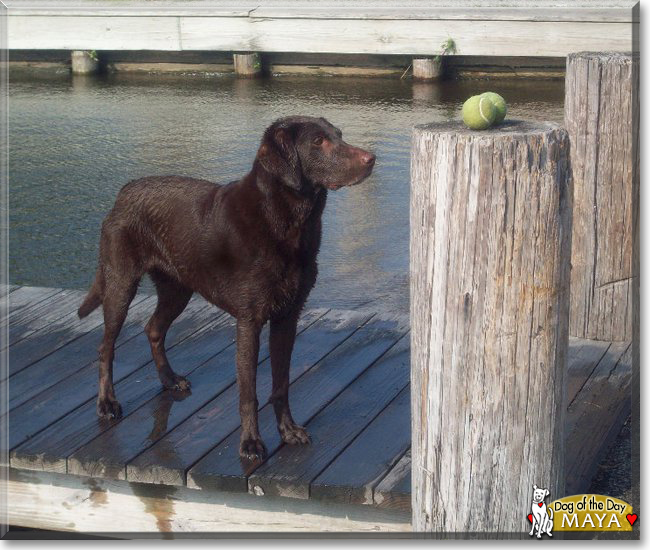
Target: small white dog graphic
<point>540,515</point>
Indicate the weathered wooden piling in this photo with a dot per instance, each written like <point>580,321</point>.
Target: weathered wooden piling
<point>247,65</point>
<point>427,68</point>
<point>490,249</point>
<point>602,118</point>
<point>84,62</point>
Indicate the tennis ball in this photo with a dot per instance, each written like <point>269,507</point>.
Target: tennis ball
<point>478,113</point>
<point>499,103</point>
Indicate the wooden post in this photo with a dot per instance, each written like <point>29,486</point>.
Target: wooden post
<point>84,62</point>
<point>427,68</point>
<point>490,247</point>
<point>601,110</point>
<point>247,65</point>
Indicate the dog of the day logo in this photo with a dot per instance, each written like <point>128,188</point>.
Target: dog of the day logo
<point>586,512</point>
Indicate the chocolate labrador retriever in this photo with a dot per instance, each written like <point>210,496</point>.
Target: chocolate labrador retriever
<point>248,247</point>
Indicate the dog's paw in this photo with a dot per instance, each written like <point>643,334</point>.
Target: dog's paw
<point>108,408</point>
<point>252,448</point>
<point>294,434</point>
<point>177,383</point>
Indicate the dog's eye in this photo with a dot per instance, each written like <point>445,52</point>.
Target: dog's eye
<point>318,140</point>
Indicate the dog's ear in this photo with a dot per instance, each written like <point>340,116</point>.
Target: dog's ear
<point>546,492</point>
<point>278,156</point>
<point>535,487</point>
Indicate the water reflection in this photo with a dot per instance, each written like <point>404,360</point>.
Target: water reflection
<point>75,141</point>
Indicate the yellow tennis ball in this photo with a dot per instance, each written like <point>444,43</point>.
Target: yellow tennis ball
<point>499,103</point>
<point>479,113</point>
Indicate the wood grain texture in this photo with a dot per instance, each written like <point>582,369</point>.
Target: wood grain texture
<point>222,468</point>
<point>88,505</point>
<point>399,36</point>
<point>525,10</point>
<point>427,68</point>
<point>352,477</point>
<point>394,491</point>
<point>26,297</point>
<point>595,418</point>
<point>602,118</point>
<point>247,65</point>
<point>584,356</point>
<point>490,250</point>
<point>290,471</point>
<point>337,29</point>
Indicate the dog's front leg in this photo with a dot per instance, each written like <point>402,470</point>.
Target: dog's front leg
<point>281,339</point>
<point>248,347</point>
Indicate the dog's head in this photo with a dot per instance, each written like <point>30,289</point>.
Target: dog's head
<point>539,494</point>
<point>308,152</point>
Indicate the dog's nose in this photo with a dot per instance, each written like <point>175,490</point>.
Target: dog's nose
<point>368,158</point>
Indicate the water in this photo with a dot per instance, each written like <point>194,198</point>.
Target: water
<point>75,141</point>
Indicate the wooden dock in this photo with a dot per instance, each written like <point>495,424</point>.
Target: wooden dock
<point>525,28</point>
<point>171,464</point>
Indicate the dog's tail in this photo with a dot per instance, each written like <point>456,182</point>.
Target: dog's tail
<point>94,297</point>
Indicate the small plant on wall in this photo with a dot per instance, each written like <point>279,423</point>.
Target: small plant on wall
<point>448,47</point>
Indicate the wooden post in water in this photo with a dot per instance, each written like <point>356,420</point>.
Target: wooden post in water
<point>427,68</point>
<point>601,111</point>
<point>84,62</point>
<point>490,249</point>
<point>248,65</point>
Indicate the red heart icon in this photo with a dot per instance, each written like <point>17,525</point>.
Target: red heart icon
<point>540,504</point>
<point>631,518</point>
<point>530,518</point>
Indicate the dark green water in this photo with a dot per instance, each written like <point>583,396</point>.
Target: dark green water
<point>75,141</point>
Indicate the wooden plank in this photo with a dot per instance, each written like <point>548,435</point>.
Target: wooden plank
<point>581,364</point>
<point>333,9</point>
<point>169,459</point>
<point>351,478</point>
<point>27,305</point>
<point>87,505</point>
<point>133,359</point>
<point>291,469</point>
<point>595,417</point>
<point>394,491</point>
<point>27,296</point>
<point>223,469</point>
<point>56,326</point>
<point>20,304</point>
<point>107,455</point>
<point>390,30</point>
<point>75,355</point>
<point>132,8</point>
<point>93,33</point>
<point>448,12</point>
<point>413,37</point>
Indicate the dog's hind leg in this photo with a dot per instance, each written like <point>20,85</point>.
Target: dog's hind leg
<point>172,299</point>
<point>119,294</point>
